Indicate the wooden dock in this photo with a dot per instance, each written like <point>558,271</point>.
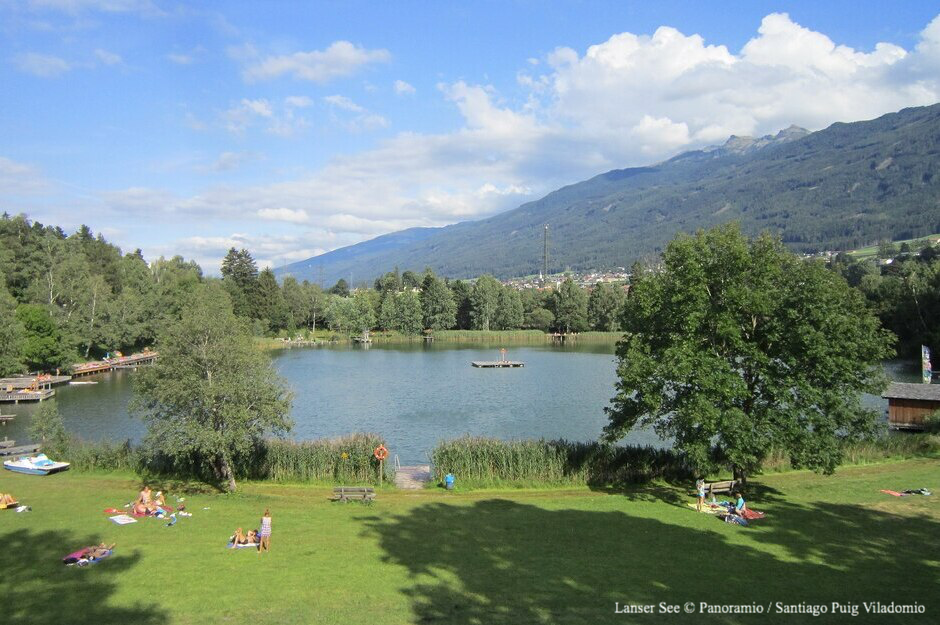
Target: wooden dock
<point>110,364</point>
<point>22,450</point>
<point>494,364</point>
<point>27,395</point>
<point>32,381</point>
<point>412,477</point>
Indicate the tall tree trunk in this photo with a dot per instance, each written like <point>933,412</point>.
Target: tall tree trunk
<point>225,473</point>
<point>740,476</point>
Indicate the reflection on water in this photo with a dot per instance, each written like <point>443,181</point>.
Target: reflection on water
<point>413,395</point>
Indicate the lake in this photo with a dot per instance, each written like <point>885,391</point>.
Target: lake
<point>413,395</point>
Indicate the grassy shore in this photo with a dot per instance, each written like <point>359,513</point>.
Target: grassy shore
<point>546,556</point>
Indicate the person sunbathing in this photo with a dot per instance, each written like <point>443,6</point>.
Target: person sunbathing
<point>7,500</point>
<point>99,551</point>
<point>239,538</point>
<point>159,500</point>
<point>252,537</point>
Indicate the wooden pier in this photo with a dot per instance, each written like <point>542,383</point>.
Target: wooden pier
<point>32,381</point>
<point>110,364</point>
<point>27,395</point>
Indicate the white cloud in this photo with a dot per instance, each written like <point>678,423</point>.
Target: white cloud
<point>42,65</point>
<point>341,58</point>
<point>403,88</point>
<point>298,101</point>
<point>295,216</point>
<point>343,102</point>
<point>362,120</point>
<point>108,58</point>
<point>282,121</point>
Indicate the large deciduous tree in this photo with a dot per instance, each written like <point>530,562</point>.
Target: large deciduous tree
<point>570,307</point>
<point>484,299</point>
<point>212,395</point>
<point>437,302</point>
<point>742,345</point>
<point>11,334</point>
<point>604,306</point>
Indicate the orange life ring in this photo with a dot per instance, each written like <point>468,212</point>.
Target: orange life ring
<point>381,453</point>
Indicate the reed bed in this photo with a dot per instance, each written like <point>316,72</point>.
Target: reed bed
<point>342,460</point>
<point>486,462</point>
<point>346,459</point>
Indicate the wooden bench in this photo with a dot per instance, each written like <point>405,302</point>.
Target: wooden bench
<point>726,486</point>
<point>360,493</point>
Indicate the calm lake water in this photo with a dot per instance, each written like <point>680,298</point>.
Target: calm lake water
<point>412,395</point>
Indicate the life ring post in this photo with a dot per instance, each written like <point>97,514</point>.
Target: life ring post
<point>381,453</point>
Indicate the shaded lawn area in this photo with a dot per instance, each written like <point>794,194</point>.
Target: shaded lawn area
<point>545,556</point>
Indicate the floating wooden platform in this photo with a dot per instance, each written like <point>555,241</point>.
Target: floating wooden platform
<point>497,364</point>
<point>5,418</point>
<point>18,396</point>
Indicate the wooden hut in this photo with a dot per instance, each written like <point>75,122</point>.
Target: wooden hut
<point>910,404</point>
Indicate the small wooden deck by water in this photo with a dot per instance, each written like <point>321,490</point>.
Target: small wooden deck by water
<point>494,364</point>
<point>413,477</point>
<point>26,395</point>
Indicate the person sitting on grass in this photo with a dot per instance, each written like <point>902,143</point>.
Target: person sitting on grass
<point>739,506</point>
<point>238,538</point>
<point>253,537</point>
<point>144,503</point>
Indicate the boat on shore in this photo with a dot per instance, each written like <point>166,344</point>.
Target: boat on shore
<point>35,465</point>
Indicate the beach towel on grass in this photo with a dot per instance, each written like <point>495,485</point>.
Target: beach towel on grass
<point>122,519</point>
<point>751,515</point>
<point>232,546</point>
<point>709,508</point>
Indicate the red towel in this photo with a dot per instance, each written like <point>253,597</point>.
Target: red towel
<point>893,492</point>
<point>751,515</point>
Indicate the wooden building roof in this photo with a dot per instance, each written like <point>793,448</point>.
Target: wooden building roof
<point>922,392</point>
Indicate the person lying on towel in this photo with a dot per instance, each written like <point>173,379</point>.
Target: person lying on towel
<point>238,538</point>
<point>7,500</point>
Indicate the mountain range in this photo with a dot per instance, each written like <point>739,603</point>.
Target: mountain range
<point>848,185</point>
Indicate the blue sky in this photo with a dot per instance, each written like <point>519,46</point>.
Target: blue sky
<point>294,128</point>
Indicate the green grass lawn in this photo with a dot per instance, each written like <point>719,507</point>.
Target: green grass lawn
<point>540,556</point>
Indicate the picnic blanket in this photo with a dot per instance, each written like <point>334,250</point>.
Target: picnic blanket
<point>122,519</point>
<point>234,546</point>
<point>709,508</point>
<point>751,515</point>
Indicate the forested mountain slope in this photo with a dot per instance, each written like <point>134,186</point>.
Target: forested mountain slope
<point>839,188</point>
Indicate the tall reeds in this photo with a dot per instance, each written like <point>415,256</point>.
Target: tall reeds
<point>482,462</point>
<point>346,460</point>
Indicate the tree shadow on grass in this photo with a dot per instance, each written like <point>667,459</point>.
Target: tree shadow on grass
<point>37,587</point>
<point>499,561</point>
